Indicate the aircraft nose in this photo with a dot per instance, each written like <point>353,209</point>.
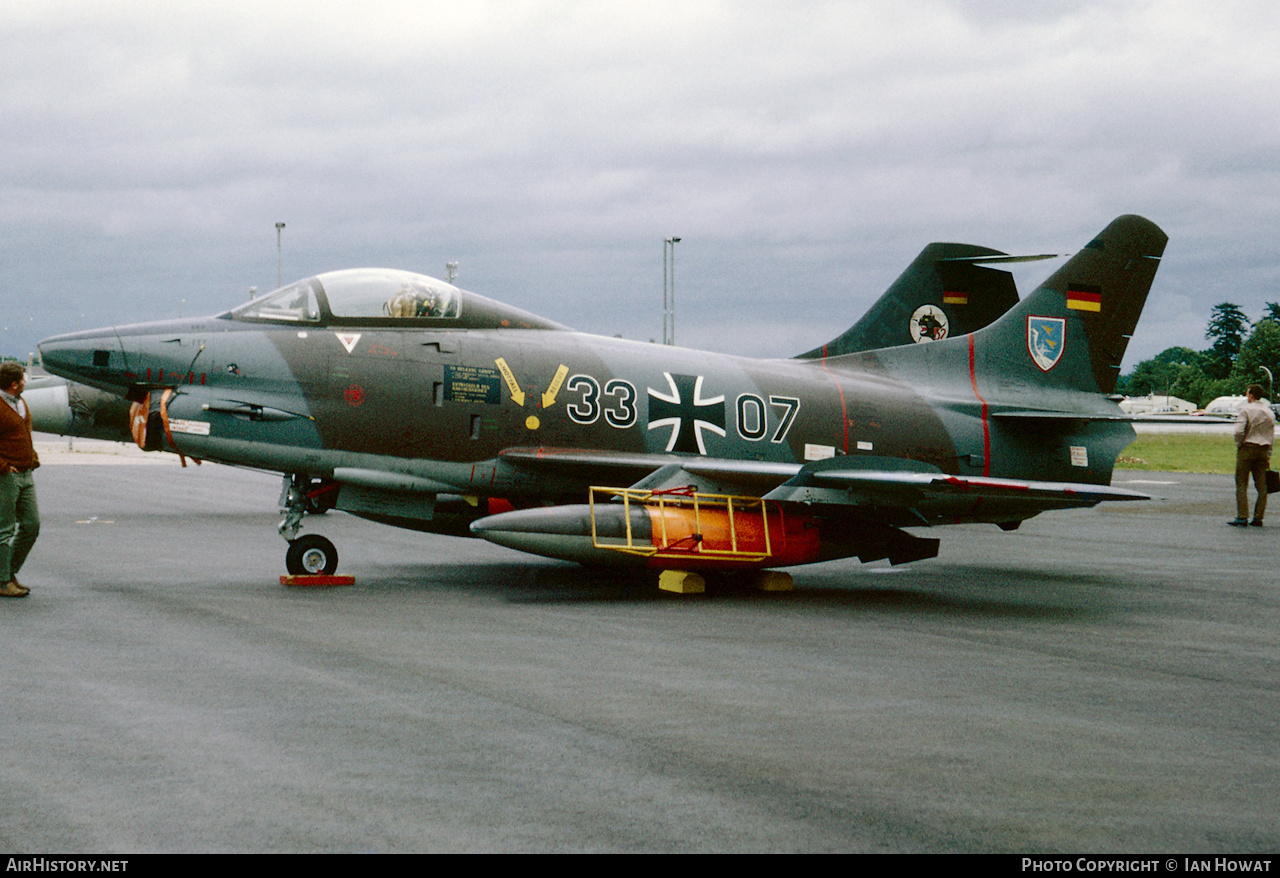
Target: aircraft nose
<point>94,357</point>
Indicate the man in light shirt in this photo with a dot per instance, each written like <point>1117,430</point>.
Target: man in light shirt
<point>19,515</point>
<point>1255,434</point>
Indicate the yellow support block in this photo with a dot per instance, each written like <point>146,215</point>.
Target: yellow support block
<point>773,580</point>
<point>681,582</point>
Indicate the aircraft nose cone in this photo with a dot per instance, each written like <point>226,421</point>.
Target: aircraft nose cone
<point>94,357</point>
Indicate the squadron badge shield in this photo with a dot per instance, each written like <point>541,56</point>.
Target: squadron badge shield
<point>928,323</point>
<point>1045,339</point>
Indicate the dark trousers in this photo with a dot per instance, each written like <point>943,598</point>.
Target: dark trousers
<point>19,522</point>
<point>1252,460</point>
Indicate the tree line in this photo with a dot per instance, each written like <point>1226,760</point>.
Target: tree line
<point>1238,351</point>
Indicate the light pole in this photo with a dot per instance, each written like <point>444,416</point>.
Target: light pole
<point>279,229</point>
<point>669,290</point>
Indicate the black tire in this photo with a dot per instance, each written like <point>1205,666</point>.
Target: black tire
<point>311,555</point>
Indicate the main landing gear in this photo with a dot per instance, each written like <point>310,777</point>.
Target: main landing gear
<point>312,554</point>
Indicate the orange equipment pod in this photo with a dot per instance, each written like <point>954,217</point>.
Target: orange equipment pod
<point>736,534</point>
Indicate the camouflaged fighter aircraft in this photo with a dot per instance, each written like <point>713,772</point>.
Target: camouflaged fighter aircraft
<point>945,291</point>
<point>406,400</point>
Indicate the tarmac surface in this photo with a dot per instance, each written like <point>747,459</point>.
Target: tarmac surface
<point>1098,681</point>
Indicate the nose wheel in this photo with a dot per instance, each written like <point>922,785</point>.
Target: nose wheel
<point>311,555</point>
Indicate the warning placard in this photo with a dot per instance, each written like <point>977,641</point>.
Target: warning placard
<point>472,384</point>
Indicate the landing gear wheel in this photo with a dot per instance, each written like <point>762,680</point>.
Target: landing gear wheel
<point>311,555</point>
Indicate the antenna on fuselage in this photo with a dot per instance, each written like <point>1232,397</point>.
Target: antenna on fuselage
<point>124,354</point>
<point>191,368</point>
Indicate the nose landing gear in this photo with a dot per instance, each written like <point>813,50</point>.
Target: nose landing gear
<point>312,554</point>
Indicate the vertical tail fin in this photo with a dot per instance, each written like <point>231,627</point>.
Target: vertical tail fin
<point>944,293</point>
<point>1072,332</point>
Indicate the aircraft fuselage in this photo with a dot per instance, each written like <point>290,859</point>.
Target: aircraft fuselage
<point>443,405</point>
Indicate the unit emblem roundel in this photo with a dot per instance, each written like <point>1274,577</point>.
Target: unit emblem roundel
<point>928,323</point>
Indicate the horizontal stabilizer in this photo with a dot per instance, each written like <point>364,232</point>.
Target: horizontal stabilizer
<point>1001,259</point>
<point>1116,417</point>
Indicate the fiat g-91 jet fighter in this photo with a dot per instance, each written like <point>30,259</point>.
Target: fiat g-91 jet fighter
<point>406,400</point>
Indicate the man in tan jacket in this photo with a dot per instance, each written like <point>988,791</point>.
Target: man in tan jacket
<point>19,515</point>
<point>1255,433</point>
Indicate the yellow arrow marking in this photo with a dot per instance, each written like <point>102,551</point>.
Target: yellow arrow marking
<point>549,397</point>
<point>517,395</point>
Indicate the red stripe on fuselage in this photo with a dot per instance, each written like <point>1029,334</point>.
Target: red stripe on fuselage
<point>844,410</point>
<point>986,429</point>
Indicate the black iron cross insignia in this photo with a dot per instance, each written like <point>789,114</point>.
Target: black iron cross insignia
<point>686,413</point>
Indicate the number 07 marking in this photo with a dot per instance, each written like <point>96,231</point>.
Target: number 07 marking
<point>751,416</point>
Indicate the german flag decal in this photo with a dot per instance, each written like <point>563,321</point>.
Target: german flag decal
<point>955,298</point>
<point>1084,297</point>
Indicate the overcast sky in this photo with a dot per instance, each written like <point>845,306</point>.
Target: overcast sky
<point>803,151</point>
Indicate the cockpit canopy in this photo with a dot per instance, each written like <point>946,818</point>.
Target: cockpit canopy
<point>384,297</point>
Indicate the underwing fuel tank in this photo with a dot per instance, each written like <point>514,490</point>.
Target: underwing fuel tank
<point>748,534</point>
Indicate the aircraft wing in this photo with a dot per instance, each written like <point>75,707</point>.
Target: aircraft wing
<point>872,487</point>
<point>655,471</point>
<point>599,467</point>
<point>856,481</point>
